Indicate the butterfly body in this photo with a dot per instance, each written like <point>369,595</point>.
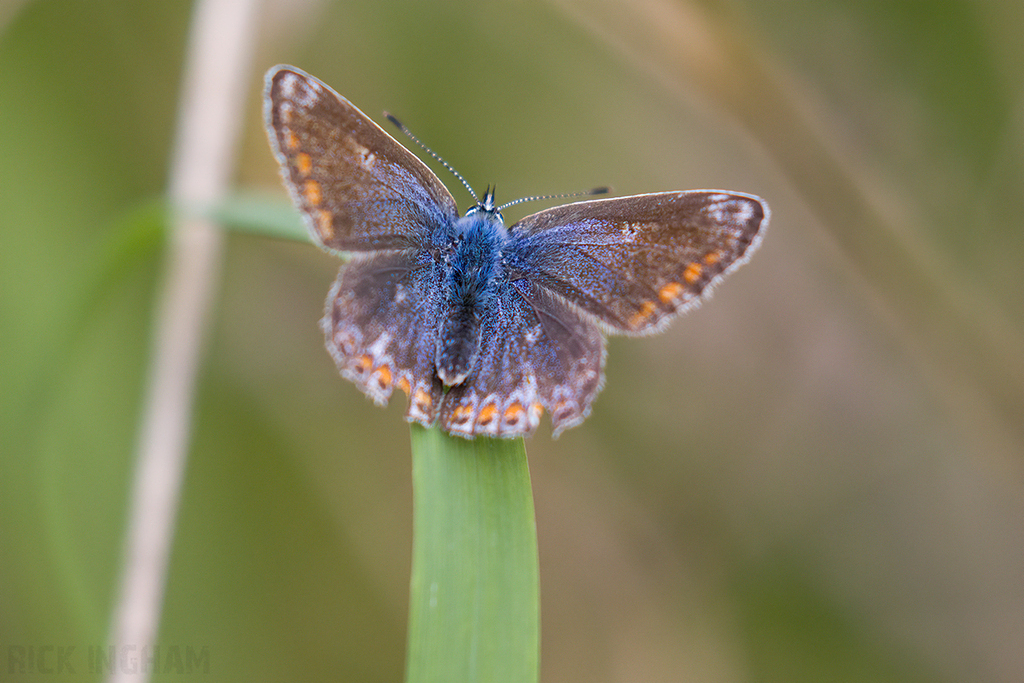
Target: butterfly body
<point>473,276</point>
<point>486,327</point>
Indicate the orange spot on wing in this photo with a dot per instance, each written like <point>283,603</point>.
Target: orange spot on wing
<point>363,364</point>
<point>462,414</point>
<point>403,384</point>
<point>487,414</point>
<point>537,409</point>
<point>643,314</point>
<point>713,258</point>
<point>514,413</point>
<point>303,163</point>
<point>325,225</point>
<point>384,377</point>
<point>670,291</point>
<point>290,140</point>
<point>312,192</point>
<point>422,400</point>
<point>692,273</point>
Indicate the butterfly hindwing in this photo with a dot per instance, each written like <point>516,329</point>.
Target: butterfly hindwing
<point>634,262</point>
<point>359,190</point>
<point>538,355</point>
<point>568,356</point>
<point>380,328</point>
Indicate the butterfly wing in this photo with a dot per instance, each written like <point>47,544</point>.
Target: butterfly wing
<point>359,190</point>
<point>538,354</point>
<point>634,262</point>
<point>380,328</point>
<point>628,264</point>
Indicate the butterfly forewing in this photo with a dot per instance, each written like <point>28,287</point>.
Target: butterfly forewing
<point>359,190</point>
<point>634,262</point>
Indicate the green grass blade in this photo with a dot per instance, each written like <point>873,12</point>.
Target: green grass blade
<point>259,214</point>
<point>474,608</point>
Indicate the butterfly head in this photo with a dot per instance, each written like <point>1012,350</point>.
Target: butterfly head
<point>487,206</point>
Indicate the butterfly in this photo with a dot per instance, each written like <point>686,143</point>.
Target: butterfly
<point>486,327</point>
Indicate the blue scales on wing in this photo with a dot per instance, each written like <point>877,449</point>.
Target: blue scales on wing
<point>537,354</point>
<point>381,332</point>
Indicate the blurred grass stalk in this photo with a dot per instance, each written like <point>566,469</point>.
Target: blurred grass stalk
<point>969,351</point>
<point>216,79</point>
<point>474,603</point>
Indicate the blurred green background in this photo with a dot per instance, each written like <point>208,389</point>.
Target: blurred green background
<point>815,477</point>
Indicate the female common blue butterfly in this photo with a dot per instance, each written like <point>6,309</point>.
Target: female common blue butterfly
<point>486,327</point>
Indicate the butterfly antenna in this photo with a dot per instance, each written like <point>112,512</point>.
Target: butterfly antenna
<point>432,153</point>
<point>587,193</point>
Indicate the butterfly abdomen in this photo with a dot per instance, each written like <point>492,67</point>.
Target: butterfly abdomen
<point>473,267</point>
